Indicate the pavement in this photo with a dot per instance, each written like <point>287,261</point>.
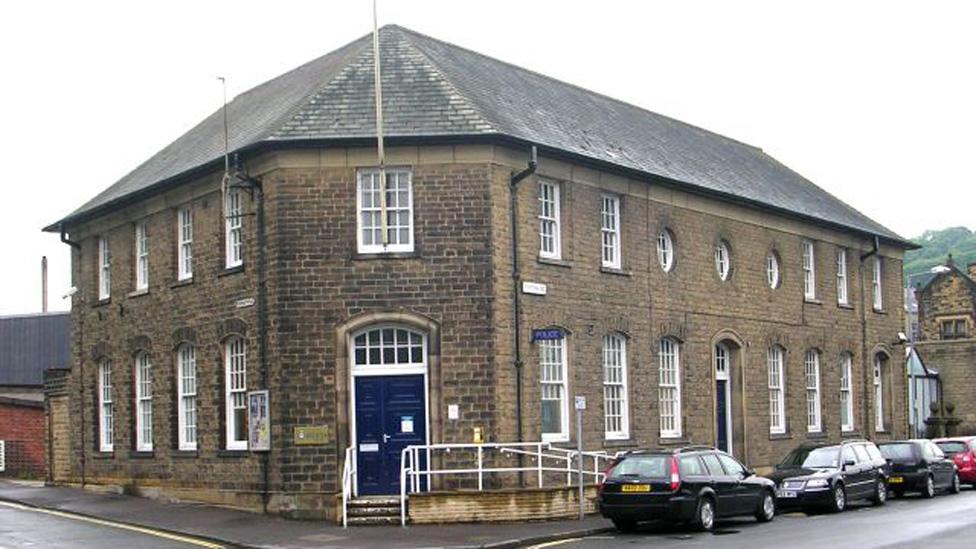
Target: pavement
<point>28,516</point>
<point>944,522</point>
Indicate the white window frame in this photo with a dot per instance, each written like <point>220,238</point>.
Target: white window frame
<point>776,383</point>
<point>142,256</point>
<point>811,367</point>
<point>842,297</point>
<point>723,260</point>
<point>847,392</point>
<point>106,411</point>
<point>876,285</point>
<point>879,423</point>
<point>553,376</point>
<point>669,387</point>
<point>143,402</point>
<point>549,220</point>
<point>233,229</point>
<point>184,246</point>
<point>772,270</point>
<point>610,231</point>
<point>380,213</point>
<point>235,388</point>
<point>665,250</point>
<point>616,411</point>
<point>104,269</point>
<point>187,403</point>
<point>809,271</point>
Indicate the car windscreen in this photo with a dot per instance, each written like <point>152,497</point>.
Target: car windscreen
<point>822,457</point>
<point>656,466</point>
<point>897,452</point>
<point>951,447</point>
<point>795,458</point>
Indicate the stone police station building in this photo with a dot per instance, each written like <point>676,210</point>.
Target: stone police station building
<point>691,287</point>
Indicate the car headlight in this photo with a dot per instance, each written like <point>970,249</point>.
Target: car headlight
<point>817,483</point>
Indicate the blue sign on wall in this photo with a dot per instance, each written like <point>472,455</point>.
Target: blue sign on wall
<point>547,334</point>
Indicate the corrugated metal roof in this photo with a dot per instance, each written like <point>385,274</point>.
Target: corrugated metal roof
<point>30,344</point>
<point>434,89</point>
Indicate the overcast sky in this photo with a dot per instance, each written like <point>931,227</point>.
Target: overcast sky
<point>873,101</point>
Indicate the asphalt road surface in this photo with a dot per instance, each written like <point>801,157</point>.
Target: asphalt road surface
<point>22,526</point>
<point>945,522</point>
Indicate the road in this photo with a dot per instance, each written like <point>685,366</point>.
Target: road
<point>22,526</point>
<point>946,522</point>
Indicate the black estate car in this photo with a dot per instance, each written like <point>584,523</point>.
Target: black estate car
<point>831,475</point>
<point>919,466</point>
<point>695,484</point>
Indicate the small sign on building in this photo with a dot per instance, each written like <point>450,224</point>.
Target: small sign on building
<point>311,435</point>
<point>534,288</point>
<point>580,402</point>
<point>547,334</point>
<point>258,421</point>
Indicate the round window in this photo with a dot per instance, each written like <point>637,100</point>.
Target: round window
<point>772,270</point>
<point>723,260</point>
<point>665,250</point>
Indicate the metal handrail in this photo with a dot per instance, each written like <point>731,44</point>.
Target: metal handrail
<point>348,482</point>
<point>411,471</point>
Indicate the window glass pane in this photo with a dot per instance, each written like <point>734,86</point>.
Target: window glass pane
<point>691,466</point>
<point>713,465</point>
<point>731,466</point>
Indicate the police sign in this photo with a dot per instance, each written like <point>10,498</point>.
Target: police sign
<point>547,334</point>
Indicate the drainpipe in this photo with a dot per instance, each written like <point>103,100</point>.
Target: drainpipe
<point>261,312</point>
<point>865,362</point>
<point>81,366</point>
<point>516,291</point>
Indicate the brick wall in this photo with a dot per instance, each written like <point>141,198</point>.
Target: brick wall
<point>22,427</point>
<point>949,295</point>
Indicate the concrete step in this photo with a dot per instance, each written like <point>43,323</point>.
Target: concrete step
<point>373,521</point>
<point>374,511</point>
<point>375,501</point>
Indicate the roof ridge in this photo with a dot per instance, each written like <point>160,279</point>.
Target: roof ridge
<point>571,85</point>
<point>433,65</point>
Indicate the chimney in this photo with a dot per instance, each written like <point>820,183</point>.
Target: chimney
<point>971,269</point>
<point>44,284</point>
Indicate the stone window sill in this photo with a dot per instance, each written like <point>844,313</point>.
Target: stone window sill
<point>812,301</point>
<point>615,271</point>
<point>816,436</point>
<point>137,293</point>
<point>102,303</point>
<point>142,454</point>
<point>619,443</point>
<point>879,311</point>
<point>232,453</point>
<point>103,455</point>
<point>847,306</point>
<point>231,271</point>
<point>676,441</point>
<point>554,262</point>
<point>185,454</point>
<point>360,256</point>
<point>181,283</point>
<point>780,436</point>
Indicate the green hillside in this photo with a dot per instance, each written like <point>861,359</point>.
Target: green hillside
<point>937,245</point>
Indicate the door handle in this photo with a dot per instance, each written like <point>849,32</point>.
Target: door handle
<point>386,438</point>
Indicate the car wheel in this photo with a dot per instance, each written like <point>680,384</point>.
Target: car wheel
<point>840,499</point>
<point>880,492</point>
<point>929,490</point>
<point>625,525</point>
<point>767,507</point>
<point>954,487</point>
<point>705,515</point>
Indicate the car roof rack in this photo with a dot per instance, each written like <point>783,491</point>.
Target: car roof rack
<point>695,448</point>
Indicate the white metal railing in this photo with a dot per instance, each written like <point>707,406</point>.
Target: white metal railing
<point>348,482</point>
<point>416,473</point>
<point>3,456</point>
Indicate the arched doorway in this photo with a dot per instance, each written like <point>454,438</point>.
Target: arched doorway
<point>729,428</point>
<point>389,403</point>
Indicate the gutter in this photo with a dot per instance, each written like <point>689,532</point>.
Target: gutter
<point>516,178</point>
<point>260,147</point>
<point>866,361</point>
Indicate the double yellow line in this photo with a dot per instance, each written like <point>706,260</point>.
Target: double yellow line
<point>118,525</point>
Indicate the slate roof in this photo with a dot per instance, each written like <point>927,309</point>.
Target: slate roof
<point>435,90</point>
<point>30,344</point>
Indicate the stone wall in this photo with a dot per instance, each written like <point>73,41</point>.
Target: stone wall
<point>955,361</point>
<point>500,505</point>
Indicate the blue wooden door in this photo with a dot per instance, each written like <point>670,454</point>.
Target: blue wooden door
<point>390,415</point>
<point>722,414</point>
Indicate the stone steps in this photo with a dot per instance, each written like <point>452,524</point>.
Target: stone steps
<point>372,511</point>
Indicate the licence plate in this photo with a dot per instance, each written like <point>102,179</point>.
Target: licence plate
<point>635,488</point>
<point>786,494</point>
<point>896,480</point>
